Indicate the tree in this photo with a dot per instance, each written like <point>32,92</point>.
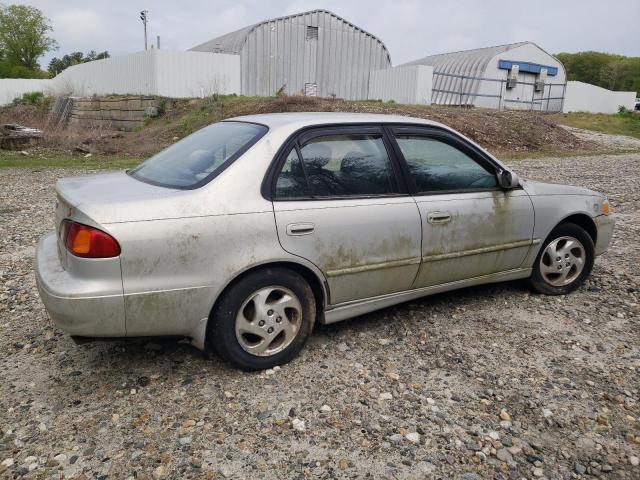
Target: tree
<point>24,35</point>
<point>57,65</point>
<point>614,72</point>
<point>9,69</point>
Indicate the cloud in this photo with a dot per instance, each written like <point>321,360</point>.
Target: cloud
<point>79,27</point>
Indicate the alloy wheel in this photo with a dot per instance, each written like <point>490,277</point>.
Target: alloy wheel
<point>562,261</point>
<point>268,321</point>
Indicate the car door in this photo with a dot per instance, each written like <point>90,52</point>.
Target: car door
<point>340,202</point>
<point>471,226</point>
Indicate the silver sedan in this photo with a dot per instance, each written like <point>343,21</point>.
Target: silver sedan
<point>246,233</point>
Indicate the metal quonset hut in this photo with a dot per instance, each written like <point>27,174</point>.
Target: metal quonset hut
<point>517,75</point>
<point>315,53</point>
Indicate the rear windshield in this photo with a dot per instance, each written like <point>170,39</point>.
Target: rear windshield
<point>198,158</point>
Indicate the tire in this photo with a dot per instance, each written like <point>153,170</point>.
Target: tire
<point>557,269</point>
<point>270,298</point>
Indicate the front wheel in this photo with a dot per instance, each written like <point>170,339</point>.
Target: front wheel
<point>564,262</point>
<point>263,320</point>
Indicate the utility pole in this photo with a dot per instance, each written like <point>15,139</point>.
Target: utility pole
<point>143,17</point>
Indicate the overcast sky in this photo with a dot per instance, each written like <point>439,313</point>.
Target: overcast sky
<point>410,28</point>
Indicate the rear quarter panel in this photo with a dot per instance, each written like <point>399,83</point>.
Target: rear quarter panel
<point>172,270</point>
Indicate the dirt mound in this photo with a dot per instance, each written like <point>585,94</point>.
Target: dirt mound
<point>504,133</point>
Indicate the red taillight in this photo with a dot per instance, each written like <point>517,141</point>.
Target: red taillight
<point>88,242</point>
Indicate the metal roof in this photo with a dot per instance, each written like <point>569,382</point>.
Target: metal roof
<point>470,62</point>
<point>231,42</point>
<point>234,41</point>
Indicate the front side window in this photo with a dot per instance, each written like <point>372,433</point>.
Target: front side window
<point>437,166</point>
<point>339,166</point>
<point>200,156</point>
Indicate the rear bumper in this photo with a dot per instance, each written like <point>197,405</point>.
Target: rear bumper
<point>605,225</point>
<point>78,304</point>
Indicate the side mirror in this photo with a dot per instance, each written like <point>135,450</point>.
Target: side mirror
<point>508,179</point>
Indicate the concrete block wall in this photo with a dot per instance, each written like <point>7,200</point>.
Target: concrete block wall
<point>120,113</point>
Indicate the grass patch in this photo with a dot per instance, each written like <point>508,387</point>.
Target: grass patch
<point>198,113</point>
<point>625,123</point>
<point>10,159</point>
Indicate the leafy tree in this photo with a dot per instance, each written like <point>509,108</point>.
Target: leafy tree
<point>614,72</point>
<point>9,69</point>
<point>57,65</point>
<point>24,37</point>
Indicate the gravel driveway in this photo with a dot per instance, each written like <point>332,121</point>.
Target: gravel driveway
<point>487,382</point>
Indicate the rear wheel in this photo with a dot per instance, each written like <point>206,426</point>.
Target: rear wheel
<point>564,261</point>
<point>263,320</point>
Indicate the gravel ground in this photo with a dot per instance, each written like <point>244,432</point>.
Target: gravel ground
<point>614,142</point>
<point>487,382</point>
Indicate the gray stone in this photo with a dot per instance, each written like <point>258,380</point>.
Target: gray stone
<point>579,468</point>
<point>504,455</point>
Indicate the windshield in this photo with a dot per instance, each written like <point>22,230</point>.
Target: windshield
<point>198,158</point>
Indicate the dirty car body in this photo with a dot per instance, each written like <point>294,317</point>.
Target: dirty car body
<point>371,210</point>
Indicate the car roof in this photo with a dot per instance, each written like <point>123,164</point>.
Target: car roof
<point>302,119</point>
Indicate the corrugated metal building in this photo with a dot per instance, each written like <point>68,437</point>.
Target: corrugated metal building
<point>518,75</point>
<point>315,53</point>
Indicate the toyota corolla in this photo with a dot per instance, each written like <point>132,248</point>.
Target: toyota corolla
<point>246,233</point>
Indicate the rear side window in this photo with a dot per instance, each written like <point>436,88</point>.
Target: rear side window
<point>337,166</point>
<point>437,166</point>
<point>292,182</point>
<point>196,159</point>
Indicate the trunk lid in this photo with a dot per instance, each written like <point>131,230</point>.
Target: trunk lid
<point>108,188</point>
<point>115,197</point>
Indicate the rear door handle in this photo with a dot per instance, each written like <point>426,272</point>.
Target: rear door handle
<point>438,217</point>
<point>297,229</point>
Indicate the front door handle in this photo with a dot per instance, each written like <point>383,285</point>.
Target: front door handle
<point>438,217</point>
<point>297,229</point>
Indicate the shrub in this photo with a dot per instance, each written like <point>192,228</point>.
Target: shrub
<point>30,98</point>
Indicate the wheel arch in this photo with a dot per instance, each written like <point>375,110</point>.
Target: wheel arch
<point>577,217</point>
<point>576,221</point>
<point>584,221</point>
<point>316,281</point>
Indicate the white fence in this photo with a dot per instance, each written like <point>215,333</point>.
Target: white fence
<point>166,73</point>
<point>133,73</point>
<point>408,84</point>
<point>196,74</point>
<point>584,97</point>
<point>11,88</point>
